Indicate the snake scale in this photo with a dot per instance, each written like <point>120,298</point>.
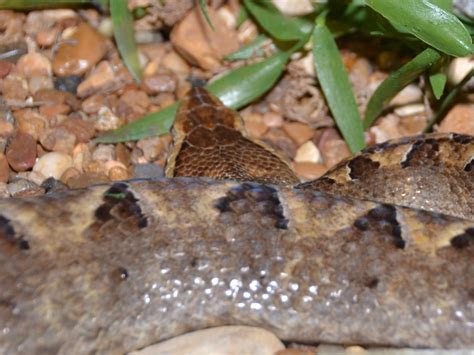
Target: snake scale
<point>379,251</point>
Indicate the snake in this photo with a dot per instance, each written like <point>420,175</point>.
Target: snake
<point>378,251</point>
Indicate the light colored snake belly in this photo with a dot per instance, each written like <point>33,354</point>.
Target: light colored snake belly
<point>114,268</point>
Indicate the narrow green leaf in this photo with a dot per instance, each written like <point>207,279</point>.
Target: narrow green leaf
<point>236,89</point>
<point>250,50</point>
<point>428,22</point>
<point>203,6</point>
<point>242,16</point>
<point>397,81</point>
<point>276,24</point>
<point>336,87</point>
<point>438,82</point>
<point>122,21</point>
<point>243,85</point>
<point>38,4</point>
<point>448,102</point>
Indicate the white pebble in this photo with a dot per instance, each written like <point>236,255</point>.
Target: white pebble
<point>53,164</point>
<point>309,153</point>
<point>228,340</point>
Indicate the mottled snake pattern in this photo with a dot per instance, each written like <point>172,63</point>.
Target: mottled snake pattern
<point>379,251</point>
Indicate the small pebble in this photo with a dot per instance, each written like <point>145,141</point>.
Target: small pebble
<point>102,79</point>
<point>273,119</point>
<point>409,110</point>
<point>58,139</point>
<point>298,132</point>
<point>107,121</point>
<point>309,153</point>
<point>332,147</point>
<point>104,152</point>
<point>459,68</point>
<point>79,52</point>
<point>154,147</point>
<point>34,64</point>
<point>161,82</point>
<point>194,38</point>
<point>227,340</point>
<point>4,169</point>
<point>309,171</point>
<point>21,152</point>
<point>53,164</point>
<point>460,119</point>
<point>22,188</point>
<point>410,94</point>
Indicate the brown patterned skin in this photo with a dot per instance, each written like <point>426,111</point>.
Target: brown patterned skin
<point>433,172</point>
<point>209,140</point>
<point>114,268</point>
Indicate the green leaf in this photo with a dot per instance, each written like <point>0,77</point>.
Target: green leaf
<point>276,24</point>
<point>428,22</point>
<point>336,87</point>
<point>397,81</point>
<point>446,5</point>
<point>448,102</point>
<point>236,89</point>
<point>242,16</point>
<point>41,4</point>
<point>122,21</point>
<point>250,50</point>
<point>203,6</point>
<point>438,82</point>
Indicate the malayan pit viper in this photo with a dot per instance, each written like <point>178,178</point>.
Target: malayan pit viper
<point>379,251</point>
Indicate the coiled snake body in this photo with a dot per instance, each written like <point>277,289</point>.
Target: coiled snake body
<point>113,268</point>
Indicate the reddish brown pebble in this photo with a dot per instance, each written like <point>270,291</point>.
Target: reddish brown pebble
<point>254,125</point>
<point>58,139</point>
<point>34,64</point>
<point>309,171</point>
<point>4,169</point>
<point>460,119</point>
<point>298,132</point>
<point>93,104</point>
<point>161,82</point>
<point>14,88</point>
<point>68,174</point>
<point>31,122</point>
<point>21,152</point>
<point>198,43</point>
<point>273,119</point>
<point>332,147</point>
<point>82,130</point>
<point>50,111</point>
<point>5,68</point>
<point>56,97</point>
<point>80,52</point>
<point>101,79</point>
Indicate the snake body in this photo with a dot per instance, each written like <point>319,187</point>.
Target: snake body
<point>113,268</point>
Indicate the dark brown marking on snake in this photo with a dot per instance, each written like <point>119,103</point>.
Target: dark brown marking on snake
<point>372,282</point>
<point>469,166</point>
<point>263,199</point>
<point>384,218</point>
<point>419,151</point>
<point>323,183</point>
<point>7,232</point>
<point>362,166</point>
<point>463,240</point>
<point>119,202</point>
<point>461,138</point>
